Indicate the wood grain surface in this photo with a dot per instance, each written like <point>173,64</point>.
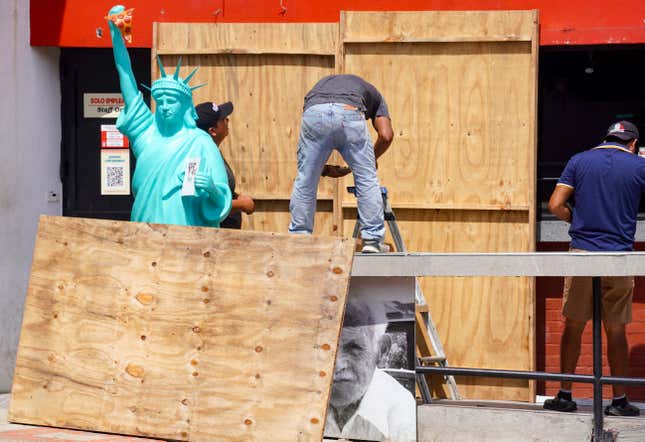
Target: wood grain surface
<point>460,88</point>
<point>274,216</point>
<point>251,38</point>
<point>437,26</point>
<point>466,139</point>
<point>180,332</point>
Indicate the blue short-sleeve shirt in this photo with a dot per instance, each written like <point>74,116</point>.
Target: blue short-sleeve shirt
<point>607,182</point>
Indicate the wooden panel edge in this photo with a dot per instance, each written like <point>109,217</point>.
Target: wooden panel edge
<point>342,243</point>
<point>308,43</point>
<point>524,31</point>
<point>449,39</point>
<point>535,50</point>
<point>351,204</point>
<point>11,415</point>
<point>235,51</point>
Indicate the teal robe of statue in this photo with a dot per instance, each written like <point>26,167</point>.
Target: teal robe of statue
<point>161,163</point>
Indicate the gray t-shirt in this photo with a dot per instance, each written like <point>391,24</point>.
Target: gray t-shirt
<point>348,89</point>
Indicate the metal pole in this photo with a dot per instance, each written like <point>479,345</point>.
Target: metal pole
<point>509,374</point>
<point>598,431</point>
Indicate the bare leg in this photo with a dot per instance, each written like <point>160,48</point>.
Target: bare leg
<point>617,353</point>
<point>570,348</point>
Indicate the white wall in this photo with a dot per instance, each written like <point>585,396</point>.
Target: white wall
<point>30,134</point>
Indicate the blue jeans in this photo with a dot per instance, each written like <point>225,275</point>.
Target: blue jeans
<point>326,127</point>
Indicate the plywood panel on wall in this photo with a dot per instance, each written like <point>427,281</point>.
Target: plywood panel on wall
<point>250,38</point>
<point>459,231</point>
<point>265,70</point>
<point>460,173</point>
<point>180,332</point>
<point>438,26</point>
<point>273,216</point>
<point>461,118</point>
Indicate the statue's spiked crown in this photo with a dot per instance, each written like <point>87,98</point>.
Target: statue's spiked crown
<point>173,83</point>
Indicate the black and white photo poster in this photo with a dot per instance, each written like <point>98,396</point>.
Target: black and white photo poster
<point>372,395</point>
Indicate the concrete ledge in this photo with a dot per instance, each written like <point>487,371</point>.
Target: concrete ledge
<point>500,264</point>
<point>462,423</point>
<point>558,231</point>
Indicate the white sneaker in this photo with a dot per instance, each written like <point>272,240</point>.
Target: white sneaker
<point>374,246</point>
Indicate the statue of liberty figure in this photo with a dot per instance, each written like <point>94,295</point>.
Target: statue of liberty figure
<point>180,177</point>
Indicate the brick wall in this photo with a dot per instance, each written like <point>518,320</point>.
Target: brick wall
<point>550,323</point>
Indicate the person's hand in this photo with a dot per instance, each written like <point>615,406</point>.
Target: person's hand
<point>246,203</point>
<point>335,171</point>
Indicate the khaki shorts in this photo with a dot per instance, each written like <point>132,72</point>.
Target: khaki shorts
<point>617,292</point>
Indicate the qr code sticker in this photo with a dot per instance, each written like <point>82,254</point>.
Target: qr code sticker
<point>114,177</point>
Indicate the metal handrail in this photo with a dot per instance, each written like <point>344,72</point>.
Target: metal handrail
<point>594,264</point>
<point>500,264</point>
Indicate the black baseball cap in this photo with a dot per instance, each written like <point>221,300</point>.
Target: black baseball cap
<point>209,113</point>
<point>623,130</point>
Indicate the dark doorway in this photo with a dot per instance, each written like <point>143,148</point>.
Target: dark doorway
<point>91,71</point>
<point>582,90</point>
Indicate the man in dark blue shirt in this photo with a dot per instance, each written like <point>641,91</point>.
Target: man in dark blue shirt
<point>606,183</point>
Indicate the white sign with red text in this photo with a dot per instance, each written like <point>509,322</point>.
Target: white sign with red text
<point>112,138</point>
<point>96,105</point>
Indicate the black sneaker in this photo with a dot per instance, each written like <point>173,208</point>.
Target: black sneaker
<point>622,410</point>
<point>560,404</point>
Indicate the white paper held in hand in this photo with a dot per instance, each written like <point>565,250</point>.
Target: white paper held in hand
<point>192,167</point>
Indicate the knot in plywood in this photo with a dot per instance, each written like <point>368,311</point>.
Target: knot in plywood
<point>136,371</point>
<point>144,298</point>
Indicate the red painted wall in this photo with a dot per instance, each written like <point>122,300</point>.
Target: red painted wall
<point>550,324</point>
<point>74,22</point>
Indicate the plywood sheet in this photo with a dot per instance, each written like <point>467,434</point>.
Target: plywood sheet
<point>461,127</point>
<point>482,322</point>
<point>439,26</point>
<point>460,87</point>
<point>459,231</point>
<point>265,70</point>
<point>250,38</point>
<point>179,332</point>
<point>274,216</point>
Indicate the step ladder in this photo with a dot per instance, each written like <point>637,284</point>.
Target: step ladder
<point>427,342</point>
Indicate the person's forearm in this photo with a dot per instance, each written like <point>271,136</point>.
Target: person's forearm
<point>562,212</point>
<point>381,146</point>
<point>237,206</point>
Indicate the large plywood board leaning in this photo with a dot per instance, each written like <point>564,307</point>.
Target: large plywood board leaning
<point>461,91</point>
<point>180,332</point>
<point>265,69</point>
